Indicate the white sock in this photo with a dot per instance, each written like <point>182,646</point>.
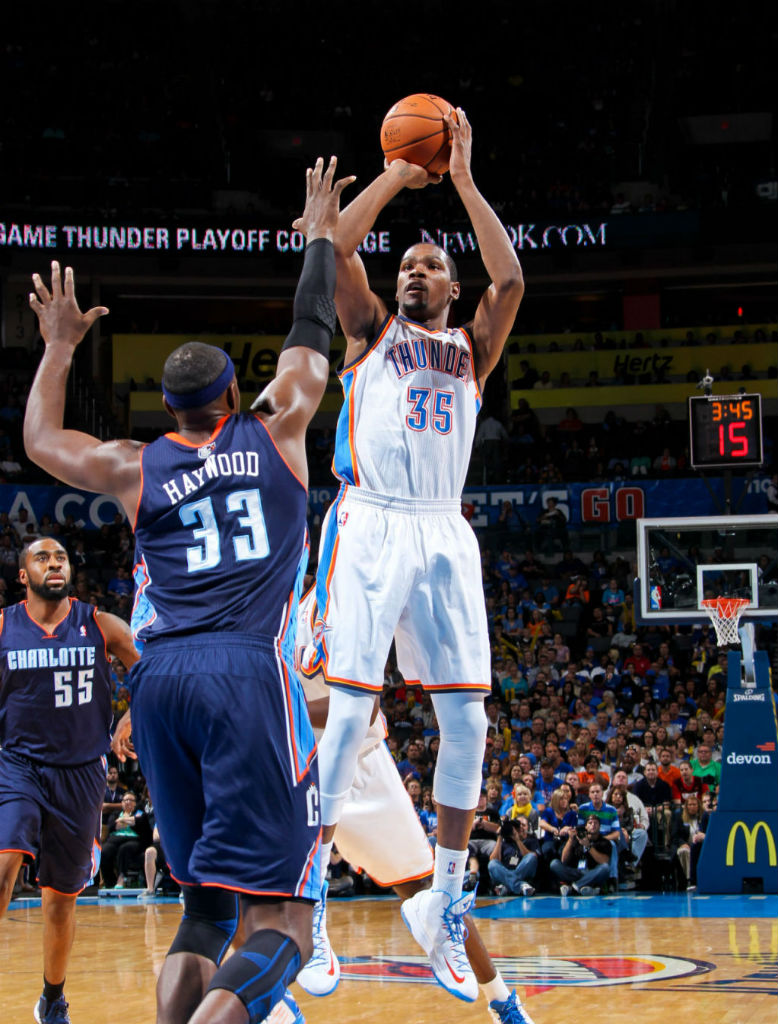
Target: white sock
<point>449,871</point>
<point>496,989</point>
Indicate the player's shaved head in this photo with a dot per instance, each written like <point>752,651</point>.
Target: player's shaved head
<point>191,367</point>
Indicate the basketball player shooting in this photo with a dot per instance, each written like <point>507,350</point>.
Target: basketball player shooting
<point>396,556</point>
<point>221,546</point>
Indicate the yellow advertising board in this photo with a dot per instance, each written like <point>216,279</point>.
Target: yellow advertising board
<point>661,364</point>
<point>140,357</point>
<point>622,394</point>
<point>654,338</point>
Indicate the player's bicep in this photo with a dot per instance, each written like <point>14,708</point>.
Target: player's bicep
<point>299,384</point>
<point>359,309</point>
<point>493,323</point>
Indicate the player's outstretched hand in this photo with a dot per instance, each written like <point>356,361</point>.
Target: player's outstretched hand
<point>412,175</point>
<point>322,201</point>
<point>461,143</point>
<point>61,321</point>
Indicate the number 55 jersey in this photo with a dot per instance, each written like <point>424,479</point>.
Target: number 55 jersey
<point>55,695</point>
<point>221,542</point>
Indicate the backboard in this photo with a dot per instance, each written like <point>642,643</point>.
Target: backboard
<point>682,561</point>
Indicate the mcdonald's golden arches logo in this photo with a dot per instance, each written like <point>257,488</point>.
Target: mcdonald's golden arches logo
<point>751,835</point>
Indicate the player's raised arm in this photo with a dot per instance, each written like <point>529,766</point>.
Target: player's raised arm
<point>360,310</point>
<point>69,455</point>
<point>499,304</point>
<point>289,402</point>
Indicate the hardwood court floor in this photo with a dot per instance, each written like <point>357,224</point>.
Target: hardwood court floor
<point>718,964</point>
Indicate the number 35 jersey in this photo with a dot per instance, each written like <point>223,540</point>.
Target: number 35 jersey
<point>220,535</point>
<point>55,694</point>
<point>407,424</point>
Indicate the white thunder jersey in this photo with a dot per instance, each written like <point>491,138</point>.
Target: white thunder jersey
<point>407,424</point>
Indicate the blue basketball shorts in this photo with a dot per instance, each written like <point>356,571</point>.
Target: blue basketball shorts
<point>222,732</point>
<point>54,813</point>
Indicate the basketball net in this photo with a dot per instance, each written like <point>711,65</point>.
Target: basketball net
<point>725,615</point>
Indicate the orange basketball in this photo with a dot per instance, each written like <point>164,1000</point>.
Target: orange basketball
<point>414,130</point>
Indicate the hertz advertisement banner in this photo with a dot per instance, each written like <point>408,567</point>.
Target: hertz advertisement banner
<point>740,849</point>
<point>636,364</point>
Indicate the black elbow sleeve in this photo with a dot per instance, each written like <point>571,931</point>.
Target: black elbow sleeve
<point>314,302</point>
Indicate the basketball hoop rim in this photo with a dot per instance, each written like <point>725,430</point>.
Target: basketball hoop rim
<point>725,615</point>
<point>725,607</point>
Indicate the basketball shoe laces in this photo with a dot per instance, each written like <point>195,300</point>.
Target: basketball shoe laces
<point>321,942</point>
<point>453,922</point>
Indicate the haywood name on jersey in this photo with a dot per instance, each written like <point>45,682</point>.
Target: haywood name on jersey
<point>231,464</point>
<point>50,657</point>
<point>430,353</point>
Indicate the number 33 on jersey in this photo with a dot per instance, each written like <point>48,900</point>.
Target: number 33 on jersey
<point>207,544</point>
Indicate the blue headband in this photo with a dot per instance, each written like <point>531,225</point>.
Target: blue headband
<point>197,399</point>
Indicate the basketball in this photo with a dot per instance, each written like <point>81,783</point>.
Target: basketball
<point>414,130</point>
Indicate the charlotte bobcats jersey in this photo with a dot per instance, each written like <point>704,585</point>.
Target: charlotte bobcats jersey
<point>407,423</point>
<point>55,695</point>
<point>221,541</point>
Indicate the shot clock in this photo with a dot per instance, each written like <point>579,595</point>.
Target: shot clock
<point>725,431</point>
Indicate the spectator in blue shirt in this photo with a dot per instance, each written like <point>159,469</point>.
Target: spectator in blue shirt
<point>608,817</point>
<point>613,594</point>
<point>557,822</point>
<point>546,783</point>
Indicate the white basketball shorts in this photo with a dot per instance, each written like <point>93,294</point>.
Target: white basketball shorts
<point>396,567</point>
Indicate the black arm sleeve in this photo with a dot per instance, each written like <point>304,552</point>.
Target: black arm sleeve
<point>314,303</point>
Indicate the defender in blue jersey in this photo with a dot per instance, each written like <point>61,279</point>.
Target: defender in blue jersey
<point>55,720</point>
<point>219,513</point>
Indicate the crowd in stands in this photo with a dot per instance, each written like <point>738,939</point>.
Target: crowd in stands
<point>528,451</point>
<point>602,758</point>
<point>589,715</point>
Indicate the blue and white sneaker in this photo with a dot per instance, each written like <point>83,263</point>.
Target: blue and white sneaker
<point>286,1011</point>
<point>509,1012</point>
<point>55,1012</point>
<point>321,974</point>
<point>435,921</point>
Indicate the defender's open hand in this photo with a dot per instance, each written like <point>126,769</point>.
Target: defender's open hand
<point>60,319</point>
<point>322,201</point>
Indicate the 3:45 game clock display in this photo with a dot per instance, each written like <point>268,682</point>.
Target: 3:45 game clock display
<point>725,431</point>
